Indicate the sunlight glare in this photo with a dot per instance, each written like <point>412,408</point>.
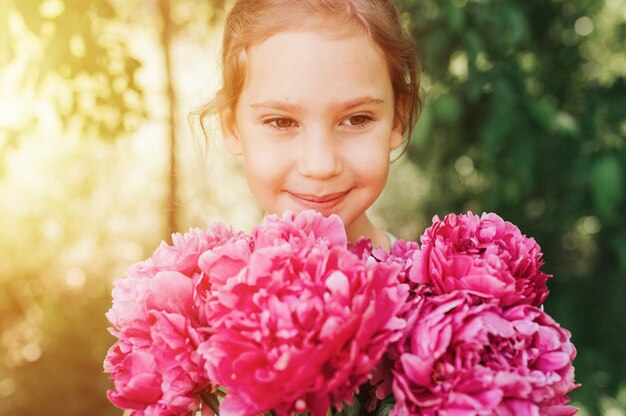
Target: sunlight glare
<point>51,9</point>
<point>75,278</point>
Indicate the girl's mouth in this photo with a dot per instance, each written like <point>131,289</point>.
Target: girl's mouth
<point>318,202</point>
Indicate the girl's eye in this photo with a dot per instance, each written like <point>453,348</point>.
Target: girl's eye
<point>281,123</point>
<point>357,121</point>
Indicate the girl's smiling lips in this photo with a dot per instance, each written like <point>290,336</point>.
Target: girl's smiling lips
<point>318,202</point>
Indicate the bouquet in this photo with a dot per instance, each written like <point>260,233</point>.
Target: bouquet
<point>293,319</point>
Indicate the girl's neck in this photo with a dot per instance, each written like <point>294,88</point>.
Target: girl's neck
<point>363,227</point>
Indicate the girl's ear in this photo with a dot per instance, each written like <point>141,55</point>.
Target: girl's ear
<point>398,123</point>
<point>229,132</point>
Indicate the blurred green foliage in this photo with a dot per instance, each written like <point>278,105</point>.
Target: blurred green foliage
<point>525,116</point>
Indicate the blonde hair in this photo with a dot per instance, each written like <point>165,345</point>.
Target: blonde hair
<point>253,21</point>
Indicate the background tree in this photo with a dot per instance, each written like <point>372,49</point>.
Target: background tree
<point>76,47</point>
<point>60,63</point>
<point>170,24</point>
<point>68,75</point>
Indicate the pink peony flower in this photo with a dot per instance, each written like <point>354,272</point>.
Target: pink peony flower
<point>401,253</point>
<point>293,228</point>
<point>129,293</point>
<point>362,248</point>
<point>154,365</point>
<point>302,325</point>
<point>465,357</point>
<point>182,256</point>
<point>487,256</point>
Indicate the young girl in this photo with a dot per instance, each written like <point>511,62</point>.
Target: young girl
<point>316,94</point>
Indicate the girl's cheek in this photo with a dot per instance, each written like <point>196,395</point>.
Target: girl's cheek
<point>267,159</point>
<point>369,155</point>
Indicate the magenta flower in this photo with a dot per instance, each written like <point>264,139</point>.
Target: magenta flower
<point>362,248</point>
<point>292,228</point>
<point>129,293</point>
<point>182,256</point>
<point>486,256</point>
<point>401,253</point>
<point>471,358</point>
<point>303,324</point>
<point>154,365</point>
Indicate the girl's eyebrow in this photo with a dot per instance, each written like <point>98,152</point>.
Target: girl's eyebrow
<point>357,102</point>
<point>343,106</point>
<point>276,105</point>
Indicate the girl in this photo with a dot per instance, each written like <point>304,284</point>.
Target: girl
<point>315,96</point>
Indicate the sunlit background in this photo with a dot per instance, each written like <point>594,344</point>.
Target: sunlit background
<point>101,158</point>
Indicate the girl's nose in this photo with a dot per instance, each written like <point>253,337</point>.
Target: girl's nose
<point>319,157</point>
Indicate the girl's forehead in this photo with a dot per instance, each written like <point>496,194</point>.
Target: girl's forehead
<point>312,67</point>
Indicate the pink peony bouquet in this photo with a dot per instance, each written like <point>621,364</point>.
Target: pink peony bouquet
<point>293,319</point>
<point>286,320</point>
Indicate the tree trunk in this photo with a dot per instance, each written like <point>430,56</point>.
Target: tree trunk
<point>166,41</point>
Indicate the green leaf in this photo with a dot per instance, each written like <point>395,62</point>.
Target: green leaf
<point>607,185</point>
<point>447,108</point>
<point>210,399</point>
<point>619,245</point>
<point>384,409</point>
<point>496,127</point>
<point>385,406</point>
<point>541,110</point>
<point>423,129</point>
<point>473,42</point>
<point>350,409</point>
<point>455,17</point>
<point>511,26</point>
<point>436,52</point>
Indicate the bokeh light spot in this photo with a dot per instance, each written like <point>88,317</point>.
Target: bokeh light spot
<point>464,166</point>
<point>583,26</point>
<point>458,65</point>
<point>7,387</point>
<point>31,352</point>
<point>589,225</point>
<point>75,278</point>
<point>77,46</point>
<point>51,9</point>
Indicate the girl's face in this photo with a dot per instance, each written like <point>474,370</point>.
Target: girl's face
<point>315,123</point>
